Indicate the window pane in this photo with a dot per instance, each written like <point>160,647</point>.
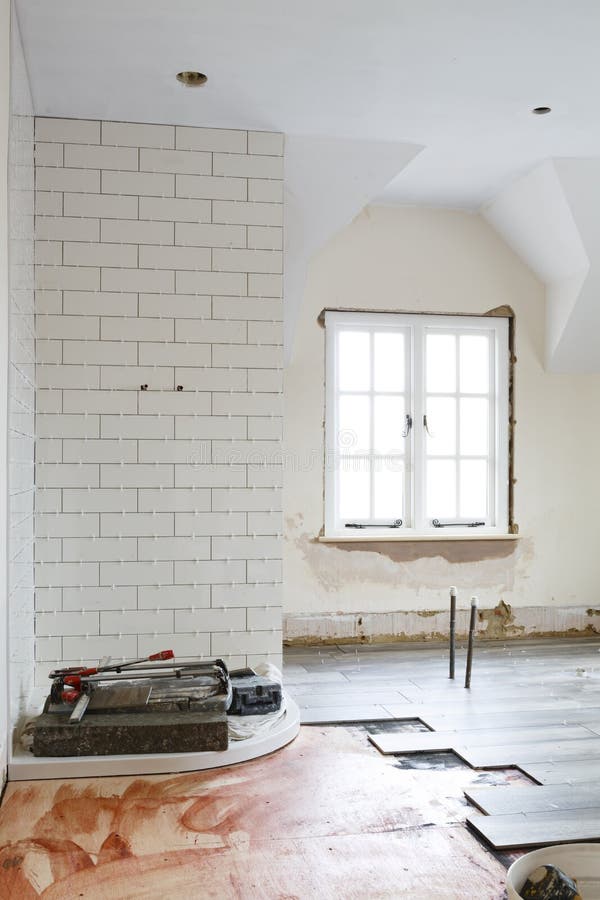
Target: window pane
<point>354,488</point>
<point>354,424</point>
<point>441,488</point>
<point>473,488</point>
<point>474,426</point>
<point>441,363</point>
<point>354,361</point>
<point>441,425</point>
<point>388,425</point>
<point>474,364</point>
<point>388,484</point>
<point>388,361</point>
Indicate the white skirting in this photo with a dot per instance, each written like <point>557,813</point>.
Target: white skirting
<point>25,767</point>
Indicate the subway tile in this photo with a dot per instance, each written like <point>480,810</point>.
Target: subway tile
<point>187,620</point>
<point>249,547</point>
<point>174,596</point>
<point>175,258</point>
<point>52,178</point>
<point>137,427</point>
<point>261,190</point>
<point>67,130</point>
<point>263,619</point>
<point>247,308</point>
<point>264,474</point>
<point>117,647</point>
<point>49,302</point>
<point>48,649</point>
<point>136,329</point>
<point>174,210</point>
<point>89,401</point>
<point>99,549</point>
<point>70,278</point>
<point>189,234</point>
<point>48,550</point>
<point>179,306</point>
<point>67,475</point>
<point>265,428</point>
<point>263,237</point>
<point>136,622</point>
<point>182,645</point>
<point>65,574</point>
<point>48,401</point>
<point>99,451</point>
<point>247,166</point>
<point>182,452</point>
<point>104,206</point>
<point>210,332</point>
<point>247,260</point>
<point>265,379</point>
<point>211,139</point>
<point>99,598</point>
<point>265,285</point>
<point>71,328</point>
<point>210,523</point>
<point>210,427</point>
<point>136,232</point>
<point>67,426</point>
<point>267,143</point>
<point>97,157</point>
<point>245,500</point>
<point>99,500</point>
<point>47,450</point>
<point>66,228</point>
<point>177,161</point>
<point>238,642</point>
<point>173,500</point>
<point>209,475</point>
<point>239,213</point>
<point>46,154</point>
<point>48,253</point>
<point>233,283</point>
<point>100,352</point>
<point>174,548</point>
<point>175,354</point>
<point>204,379</point>
<point>210,572</point>
<point>136,573</point>
<point>130,378</point>
<point>118,255</point>
<point>128,134</point>
<point>244,404</point>
<point>135,475</point>
<point>265,333</point>
<point>48,203</point>
<point>138,183</point>
<point>265,523</point>
<point>47,500</point>
<point>264,571</point>
<point>150,281</point>
<point>99,303</point>
<point>207,187</point>
<point>227,452</point>
<point>179,403</point>
<point>66,623</point>
<point>247,357</point>
<point>142,524</point>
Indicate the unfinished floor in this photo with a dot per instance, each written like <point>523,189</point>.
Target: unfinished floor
<point>329,816</point>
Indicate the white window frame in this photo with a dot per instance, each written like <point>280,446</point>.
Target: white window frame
<point>415,326</point>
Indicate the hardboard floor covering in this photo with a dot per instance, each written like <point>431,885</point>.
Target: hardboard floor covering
<point>531,706</point>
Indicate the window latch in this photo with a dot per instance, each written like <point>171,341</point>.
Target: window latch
<point>407,425</point>
<point>397,523</point>
<point>426,426</point>
<point>437,524</point>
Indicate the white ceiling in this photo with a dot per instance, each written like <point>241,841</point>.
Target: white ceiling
<point>457,77</point>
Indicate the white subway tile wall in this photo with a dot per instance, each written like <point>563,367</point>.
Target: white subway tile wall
<point>21,385</point>
<point>158,325</point>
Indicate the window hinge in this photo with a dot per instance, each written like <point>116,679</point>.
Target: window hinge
<point>408,422</point>
<point>395,524</point>
<point>437,524</point>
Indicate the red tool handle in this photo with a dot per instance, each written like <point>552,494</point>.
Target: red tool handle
<point>163,654</point>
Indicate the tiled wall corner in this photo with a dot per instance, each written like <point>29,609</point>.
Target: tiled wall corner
<point>158,263</point>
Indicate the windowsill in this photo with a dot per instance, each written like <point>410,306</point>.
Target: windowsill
<point>414,538</point>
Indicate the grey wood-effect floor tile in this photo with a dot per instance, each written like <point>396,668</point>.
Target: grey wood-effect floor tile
<point>537,829</point>
<point>505,799</point>
<point>520,754</point>
<point>336,714</point>
<point>564,772</point>
<point>464,741</point>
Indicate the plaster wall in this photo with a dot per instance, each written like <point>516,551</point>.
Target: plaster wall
<point>442,261</point>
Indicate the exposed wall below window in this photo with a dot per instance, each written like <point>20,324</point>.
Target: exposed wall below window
<point>159,260</point>
<point>442,261</point>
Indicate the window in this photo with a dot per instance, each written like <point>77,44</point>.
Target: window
<point>416,424</point>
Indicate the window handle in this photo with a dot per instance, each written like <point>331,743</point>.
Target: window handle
<point>397,523</point>
<point>437,524</point>
<point>407,425</point>
<point>426,427</point>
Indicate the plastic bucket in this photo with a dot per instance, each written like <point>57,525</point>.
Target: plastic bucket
<point>580,861</point>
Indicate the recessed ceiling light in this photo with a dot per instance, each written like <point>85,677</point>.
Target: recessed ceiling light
<point>537,110</point>
<point>192,79</point>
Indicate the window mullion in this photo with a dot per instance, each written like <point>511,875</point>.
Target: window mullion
<point>417,398</point>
